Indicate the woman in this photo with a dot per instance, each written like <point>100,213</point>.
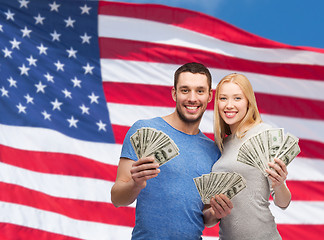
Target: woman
<point>236,119</point>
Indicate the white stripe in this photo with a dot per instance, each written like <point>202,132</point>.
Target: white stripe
<point>209,238</point>
<point>156,32</point>
<point>305,169</point>
<point>299,212</point>
<point>56,223</point>
<point>42,139</point>
<point>162,74</point>
<point>301,128</point>
<point>57,185</point>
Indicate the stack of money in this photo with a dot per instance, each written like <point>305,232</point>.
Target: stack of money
<point>228,183</point>
<point>149,141</point>
<point>262,148</point>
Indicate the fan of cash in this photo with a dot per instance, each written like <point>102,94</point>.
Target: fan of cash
<point>228,183</point>
<point>149,141</point>
<point>262,148</point>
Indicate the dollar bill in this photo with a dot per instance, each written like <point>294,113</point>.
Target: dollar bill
<point>148,141</point>
<point>263,147</point>
<point>228,183</point>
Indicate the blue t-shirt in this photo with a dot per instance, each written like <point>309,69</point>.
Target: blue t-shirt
<point>169,207</point>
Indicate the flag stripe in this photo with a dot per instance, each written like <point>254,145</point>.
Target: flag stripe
<point>115,48</point>
<point>140,94</point>
<point>162,74</point>
<point>195,21</point>
<point>10,231</point>
<point>45,220</point>
<point>57,163</point>
<point>102,212</point>
<point>287,231</point>
<point>294,125</point>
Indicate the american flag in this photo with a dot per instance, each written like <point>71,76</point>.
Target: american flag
<point>76,74</point>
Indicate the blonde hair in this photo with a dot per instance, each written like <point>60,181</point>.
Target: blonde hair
<point>252,117</point>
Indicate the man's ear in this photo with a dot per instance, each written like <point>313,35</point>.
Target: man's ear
<point>174,94</point>
<point>210,96</point>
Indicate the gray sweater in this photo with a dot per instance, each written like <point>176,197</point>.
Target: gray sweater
<point>250,218</point>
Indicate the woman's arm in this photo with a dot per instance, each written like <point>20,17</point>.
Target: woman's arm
<point>278,175</point>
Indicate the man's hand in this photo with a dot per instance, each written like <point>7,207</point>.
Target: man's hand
<point>144,169</point>
<point>220,206</point>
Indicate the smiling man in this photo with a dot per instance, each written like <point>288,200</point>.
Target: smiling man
<point>168,204</point>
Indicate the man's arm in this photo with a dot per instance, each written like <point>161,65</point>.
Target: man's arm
<point>220,206</point>
<point>131,179</point>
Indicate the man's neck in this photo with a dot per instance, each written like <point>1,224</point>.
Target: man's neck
<point>190,128</point>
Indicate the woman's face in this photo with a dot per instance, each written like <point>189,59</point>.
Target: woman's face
<point>232,104</point>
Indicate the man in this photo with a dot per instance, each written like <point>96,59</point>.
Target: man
<point>168,203</point>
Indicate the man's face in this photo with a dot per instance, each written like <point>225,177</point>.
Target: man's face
<point>192,96</point>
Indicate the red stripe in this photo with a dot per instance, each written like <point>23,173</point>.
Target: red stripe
<point>100,212</point>
<point>141,94</point>
<point>301,232</point>
<point>191,20</point>
<point>314,190</point>
<point>309,149</point>
<point>287,231</point>
<point>57,163</point>
<point>10,231</point>
<point>114,48</point>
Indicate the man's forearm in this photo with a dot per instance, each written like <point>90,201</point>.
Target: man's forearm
<point>124,193</point>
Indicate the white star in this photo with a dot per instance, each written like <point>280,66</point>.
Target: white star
<point>24,70</point>
<point>69,22</point>
<point>73,122</point>
<point>14,43</point>
<point>29,99</point>
<point>54,6</point>
<point>59,66</point>
<point>85,38</point>
<point>39,19</point>
<point>49,77</point>
<point>93,98</point>
<point>10,15</point>
<point>32,61</point>
<point>88,69</point>
<point>101,125</point>
<point>6,52</point>
<point>4,92</point>
<point>26,32</point>
<point>12,82</point>
<point>56,105</point>
<point>42,49</point>
<point>76,82</point>
<point>21,108</point>
<point>46,115</point>
<point>40,87</point>
<point>72,52</point>
<point>84,109</point>
<point>1,30</point>
<point>85,9</point>
<point>55,36</point>
<point>67,93</point>
<point>23,3</point>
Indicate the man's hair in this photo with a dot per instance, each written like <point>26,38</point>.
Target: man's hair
<point>193,67</point>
